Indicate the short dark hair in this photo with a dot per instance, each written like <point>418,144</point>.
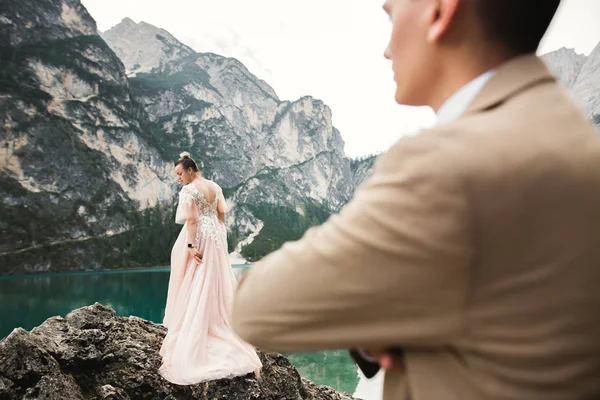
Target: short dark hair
<point>186,162</point>
<point>518,24</point>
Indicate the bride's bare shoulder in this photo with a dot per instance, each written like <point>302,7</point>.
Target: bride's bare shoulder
<point>213,183</point>
<point>186,188</point>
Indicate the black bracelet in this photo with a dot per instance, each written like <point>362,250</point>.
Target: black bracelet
<point>190,245</point>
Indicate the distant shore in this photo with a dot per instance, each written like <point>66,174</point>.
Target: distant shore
<point>165,268</point>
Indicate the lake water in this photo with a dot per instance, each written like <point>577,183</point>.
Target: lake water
<point>28,301</point>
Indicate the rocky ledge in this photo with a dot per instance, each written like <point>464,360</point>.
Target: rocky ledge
<point>93,354</point>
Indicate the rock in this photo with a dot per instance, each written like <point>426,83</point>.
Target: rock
<point>29,371</point>
<point>93,354</point>
<point>323,392</point>
<point>108,392</point>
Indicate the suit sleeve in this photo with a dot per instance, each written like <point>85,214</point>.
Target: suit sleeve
<point>391,269</point>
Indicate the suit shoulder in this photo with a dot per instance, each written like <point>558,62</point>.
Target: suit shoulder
<point>432,150</point>
<point>427,162</point>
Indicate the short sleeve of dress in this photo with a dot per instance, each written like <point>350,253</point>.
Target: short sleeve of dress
<point>187,207</point>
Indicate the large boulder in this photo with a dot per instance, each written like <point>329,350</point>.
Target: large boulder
<point>93,354</point>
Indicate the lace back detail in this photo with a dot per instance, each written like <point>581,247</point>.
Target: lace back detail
<point>209,225</point>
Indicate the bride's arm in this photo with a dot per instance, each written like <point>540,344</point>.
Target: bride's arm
<point>192,229</point>
<point>221,206</point>
<point>187,213</point>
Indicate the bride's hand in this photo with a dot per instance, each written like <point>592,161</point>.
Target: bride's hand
<point>195,254</point>
<point>387,359</point>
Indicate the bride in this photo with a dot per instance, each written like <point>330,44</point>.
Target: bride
<point>200,344</point>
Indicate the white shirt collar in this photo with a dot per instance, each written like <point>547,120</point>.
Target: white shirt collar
<point>458,103</point>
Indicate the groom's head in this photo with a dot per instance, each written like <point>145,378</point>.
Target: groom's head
<point>435,45</point>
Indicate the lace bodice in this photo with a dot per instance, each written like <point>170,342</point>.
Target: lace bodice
<point>193,204</point>
<point>193,197</point>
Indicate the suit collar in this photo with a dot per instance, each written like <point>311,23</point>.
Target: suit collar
<point>459,102</point>
<point>509,79</point>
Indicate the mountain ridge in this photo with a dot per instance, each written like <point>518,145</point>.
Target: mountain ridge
<point>580,75</point>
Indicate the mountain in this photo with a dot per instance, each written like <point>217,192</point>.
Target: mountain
<point>587,87</point>
<point>142,47</point>
<point>580,75</point>
<point>87,158</point>
<point>362,168</point>
<point>565,64</point>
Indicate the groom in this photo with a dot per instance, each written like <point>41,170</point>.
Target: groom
<point>474,248</point>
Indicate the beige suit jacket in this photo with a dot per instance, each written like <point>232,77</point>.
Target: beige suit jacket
<point>474,246</point>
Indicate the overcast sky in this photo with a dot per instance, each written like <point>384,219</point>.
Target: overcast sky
<point>329,49</point>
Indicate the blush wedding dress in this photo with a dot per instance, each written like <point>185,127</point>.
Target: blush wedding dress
<point>200,344</point>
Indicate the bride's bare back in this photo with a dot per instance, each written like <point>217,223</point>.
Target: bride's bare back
<point>212,195</point>
<point>208,188</point>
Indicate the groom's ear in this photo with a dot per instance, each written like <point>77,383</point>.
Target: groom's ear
<point>442,14</point>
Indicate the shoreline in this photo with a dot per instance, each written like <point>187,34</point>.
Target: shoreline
<point>130,270</point>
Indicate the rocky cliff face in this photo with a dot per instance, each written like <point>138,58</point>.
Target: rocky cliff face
<point>30,21</point>
<point>580,75</point>
<point>587,87</point>
<point>92,354</point>
<point>565,64</point>
<point>75,163</point>
<point>362,169</point>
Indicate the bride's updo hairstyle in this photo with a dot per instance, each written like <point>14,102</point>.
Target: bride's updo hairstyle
<point>187,162</point>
